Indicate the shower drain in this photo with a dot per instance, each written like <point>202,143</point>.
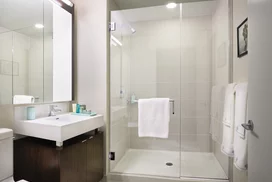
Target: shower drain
<point>169,164</point>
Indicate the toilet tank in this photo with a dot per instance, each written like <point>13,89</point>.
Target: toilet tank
<point>6,153</point>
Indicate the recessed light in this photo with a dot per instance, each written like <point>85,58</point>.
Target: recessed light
<point>133,30</point>
<point>171,5</point>
<point>39,26</point>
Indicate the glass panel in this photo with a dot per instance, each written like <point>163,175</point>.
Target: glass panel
<point>146,65</point>
<point>119,55</point>
<point>198,159</point>
<point>177,53</point>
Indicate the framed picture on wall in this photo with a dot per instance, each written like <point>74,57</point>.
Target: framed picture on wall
<point>242,38</point>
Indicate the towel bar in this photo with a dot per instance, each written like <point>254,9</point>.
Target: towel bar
<point>171,100</point>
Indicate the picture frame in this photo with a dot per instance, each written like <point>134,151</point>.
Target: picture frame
<point>242,39</point>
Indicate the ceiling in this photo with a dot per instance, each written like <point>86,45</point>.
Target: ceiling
<point>131,4</point>
<point>124,19</point>
<point>162,13</point>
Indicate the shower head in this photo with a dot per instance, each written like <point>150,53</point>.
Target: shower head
<point>128,28</point>
<point>133,30</point>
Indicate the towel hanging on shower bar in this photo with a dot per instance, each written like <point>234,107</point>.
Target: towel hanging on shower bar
<point>153,117</point>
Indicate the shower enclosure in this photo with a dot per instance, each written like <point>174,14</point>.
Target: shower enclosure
<point>157,52</point>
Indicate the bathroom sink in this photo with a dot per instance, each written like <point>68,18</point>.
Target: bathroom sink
<point>59,128</point>
<point>64,118</point>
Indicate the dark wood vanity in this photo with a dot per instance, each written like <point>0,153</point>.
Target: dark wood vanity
<point>80,159</point>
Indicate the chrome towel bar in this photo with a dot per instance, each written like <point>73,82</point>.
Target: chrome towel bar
<point>171,101</point>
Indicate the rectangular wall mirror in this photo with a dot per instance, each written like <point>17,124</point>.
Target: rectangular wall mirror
<point>35,51</point>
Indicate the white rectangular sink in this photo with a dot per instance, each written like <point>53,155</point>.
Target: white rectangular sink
<point>59,128</point>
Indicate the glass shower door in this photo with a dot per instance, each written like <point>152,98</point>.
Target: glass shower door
<point>200,70</point>
<point>119,47</point>
<point>150,64</point>
<point>177,53</point>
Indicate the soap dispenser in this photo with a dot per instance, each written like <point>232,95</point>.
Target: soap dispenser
<point>133,98</point>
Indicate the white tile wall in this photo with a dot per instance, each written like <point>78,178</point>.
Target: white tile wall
<point>91,47</point>
<point>6,116</point>
<point>159,69</point>
<point>5,80</point>
<point>220,72</point>
<point>195,83</point>
<point>20,112</point>
<point>35,68</point>
<point>11,113</point>
<point>155,72</point>
<point>195,143</point>
<point>28,55</point>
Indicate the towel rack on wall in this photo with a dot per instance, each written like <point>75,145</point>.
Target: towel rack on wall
<point>170,100</point>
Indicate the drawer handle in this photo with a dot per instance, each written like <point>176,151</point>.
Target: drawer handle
<point>91,137</point>
<point>84,141</point>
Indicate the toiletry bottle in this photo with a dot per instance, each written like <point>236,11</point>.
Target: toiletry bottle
<point>133,98</point>
<point>82,108</point>
<point>77,108</point>
<point>74,107</point>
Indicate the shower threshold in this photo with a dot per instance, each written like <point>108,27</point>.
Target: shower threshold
<point>115,177</point>
<point>192,166</point>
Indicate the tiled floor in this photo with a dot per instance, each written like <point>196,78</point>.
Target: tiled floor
<point>185,164</point>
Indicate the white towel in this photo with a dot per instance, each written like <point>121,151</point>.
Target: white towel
<point>154,117</point>
<point>23,99</point>
<point>228,121</point>
<point>228,116</point>
<point>240,138</point>
<point>240,108</point>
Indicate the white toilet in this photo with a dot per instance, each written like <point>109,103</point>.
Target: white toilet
<point>6,155</point>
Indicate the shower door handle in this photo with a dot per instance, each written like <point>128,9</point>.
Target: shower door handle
<point>173,104</point>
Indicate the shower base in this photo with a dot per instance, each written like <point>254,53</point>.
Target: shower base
<point>143,178</point>
<point>190,165</point>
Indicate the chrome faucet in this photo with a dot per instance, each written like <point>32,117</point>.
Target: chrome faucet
<point>53,110</point>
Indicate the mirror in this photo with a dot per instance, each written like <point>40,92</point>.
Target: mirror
<point>35,51</point>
